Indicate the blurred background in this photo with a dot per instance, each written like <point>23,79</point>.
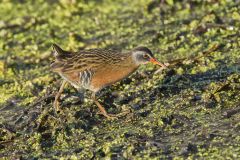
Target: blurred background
<point>177,113</point>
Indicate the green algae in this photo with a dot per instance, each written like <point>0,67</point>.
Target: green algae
<point>191,110</point>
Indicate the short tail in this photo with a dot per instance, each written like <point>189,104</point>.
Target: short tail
<point>59,53</point>
<point>57,50</point>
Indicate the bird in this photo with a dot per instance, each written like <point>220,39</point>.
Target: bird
<point>95,69</point>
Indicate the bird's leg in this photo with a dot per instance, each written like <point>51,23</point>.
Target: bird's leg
<point>81,92</point>
<point>58,95</point>
<point>101,108</point>
<point>104,112</point>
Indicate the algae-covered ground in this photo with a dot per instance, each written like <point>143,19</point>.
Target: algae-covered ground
<point>190,110</point>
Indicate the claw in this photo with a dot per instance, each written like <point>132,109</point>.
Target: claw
<point>113,116</point>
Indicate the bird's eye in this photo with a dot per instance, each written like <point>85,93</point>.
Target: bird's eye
<point>145,56</point>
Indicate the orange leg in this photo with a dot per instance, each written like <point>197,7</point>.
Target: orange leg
<point>103,111</point>
<point>58,95</point>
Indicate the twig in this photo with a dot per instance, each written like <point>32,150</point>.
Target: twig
<point>230,113</point>
<point>180,61</point>
<point>194,58</point>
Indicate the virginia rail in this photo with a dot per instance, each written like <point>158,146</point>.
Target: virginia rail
<point>95,69</point>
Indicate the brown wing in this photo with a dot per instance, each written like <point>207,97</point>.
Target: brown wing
<point>92,59</point>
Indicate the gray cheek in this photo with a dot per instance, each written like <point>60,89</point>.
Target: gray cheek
<point>143,61</point>
<point>138,58</point>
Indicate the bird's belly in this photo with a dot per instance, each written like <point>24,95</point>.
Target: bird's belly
<point>72,79</point>
<point>109,76</point>
<point>78,80</point>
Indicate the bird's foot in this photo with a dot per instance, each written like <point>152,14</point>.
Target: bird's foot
<point>110,116</point>
<point>56,106</point>
<point>113,116</point>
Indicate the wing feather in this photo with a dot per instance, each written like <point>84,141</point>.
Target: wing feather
<point>86,60</point>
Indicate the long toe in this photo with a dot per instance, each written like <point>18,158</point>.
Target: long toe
<point>111,116</point>
<point>56,106</point>
<point>57,109</point>
<point>114,116</point>
<point>123,113</point>
<point>108,116</point>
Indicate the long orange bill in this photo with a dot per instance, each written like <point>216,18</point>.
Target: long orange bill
<point>154,61</point>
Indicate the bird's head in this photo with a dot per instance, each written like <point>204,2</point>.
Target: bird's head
<point>143,55</point>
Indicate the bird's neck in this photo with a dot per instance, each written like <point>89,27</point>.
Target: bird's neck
<point>129,62</point>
